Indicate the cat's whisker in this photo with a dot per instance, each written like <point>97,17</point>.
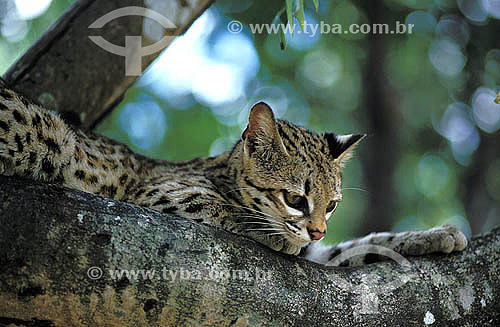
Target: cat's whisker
<point>280,233</point>
<point>264,219</point>
<point>248,208</point>
<point>355,189</point>
<point>238,189</point>
<point>251,209</point>
<point>264,229</point>
<point>246,227</point>
<point>259,223</point>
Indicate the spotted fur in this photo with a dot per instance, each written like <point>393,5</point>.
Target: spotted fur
<point>279,185</point>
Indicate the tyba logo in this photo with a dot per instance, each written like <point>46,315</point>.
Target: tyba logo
<point>133,51</point>
<point>370,285</point>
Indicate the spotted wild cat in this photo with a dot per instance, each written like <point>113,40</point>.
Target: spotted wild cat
<point>279,184</point>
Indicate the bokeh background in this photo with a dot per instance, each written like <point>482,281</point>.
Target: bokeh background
<point>425,99</point>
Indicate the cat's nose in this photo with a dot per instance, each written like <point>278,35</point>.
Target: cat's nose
<point>316,234</point>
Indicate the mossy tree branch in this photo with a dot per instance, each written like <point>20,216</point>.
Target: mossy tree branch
<point>51,236</point>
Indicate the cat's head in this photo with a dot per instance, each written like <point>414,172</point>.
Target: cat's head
<point>292,175</point>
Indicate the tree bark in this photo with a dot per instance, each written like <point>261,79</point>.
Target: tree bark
<point>65,71</point>
<point>51,237</point>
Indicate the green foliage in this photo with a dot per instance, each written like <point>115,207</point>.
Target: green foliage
<point>316,5</point>
<point>289,13</point>
<point>300,13</point>
<point>293,8</point>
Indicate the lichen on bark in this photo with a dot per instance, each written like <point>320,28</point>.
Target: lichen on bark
<point>51,236</point>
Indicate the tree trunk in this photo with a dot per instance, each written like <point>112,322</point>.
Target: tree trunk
<point>51,237</point>
<point>382,119</point>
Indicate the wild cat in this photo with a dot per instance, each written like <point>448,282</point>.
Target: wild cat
<point>279,185</point>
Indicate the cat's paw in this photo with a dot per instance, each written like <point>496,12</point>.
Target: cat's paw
<point>449,238</point>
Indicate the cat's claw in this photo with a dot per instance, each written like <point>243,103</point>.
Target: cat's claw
<point>452,239</point>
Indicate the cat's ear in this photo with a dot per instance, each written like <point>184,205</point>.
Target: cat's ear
<point>262,131</point>
<point>341,146</point>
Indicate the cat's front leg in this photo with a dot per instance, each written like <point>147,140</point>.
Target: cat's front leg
<point>443,239</point>
<point>274,242</point>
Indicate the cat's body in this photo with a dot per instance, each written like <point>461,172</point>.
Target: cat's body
<point>278,185</point>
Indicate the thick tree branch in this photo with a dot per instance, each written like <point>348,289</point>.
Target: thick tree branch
<point>51,236</point>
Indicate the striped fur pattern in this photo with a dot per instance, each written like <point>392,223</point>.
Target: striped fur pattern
<point>279,185</point>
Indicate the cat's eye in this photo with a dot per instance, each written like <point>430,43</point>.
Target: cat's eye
<point>331,206</point>
<point>295,201</point>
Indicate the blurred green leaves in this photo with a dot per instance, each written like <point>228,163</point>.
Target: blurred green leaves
<point>289,13</point>
<point>279,20</point>
<point>293,9</point>
<point>316,5</point>
<point>300,13</point>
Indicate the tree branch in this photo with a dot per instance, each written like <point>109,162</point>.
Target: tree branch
<point>65,71</point>
<point>51,236</point>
